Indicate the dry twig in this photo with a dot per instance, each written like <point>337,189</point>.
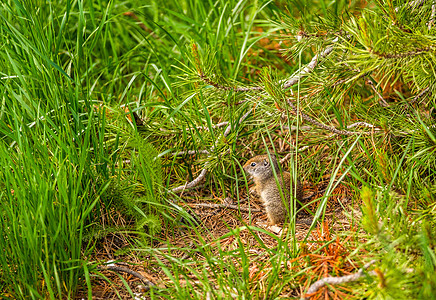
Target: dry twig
<point>336,280</point>
<point>192,183</point>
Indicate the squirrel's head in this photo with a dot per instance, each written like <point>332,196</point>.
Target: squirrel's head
<point>260,166</point>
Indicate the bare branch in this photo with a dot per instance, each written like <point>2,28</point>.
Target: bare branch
<point>336,280</point>
<point>309,68</point>
<point>295,128</point>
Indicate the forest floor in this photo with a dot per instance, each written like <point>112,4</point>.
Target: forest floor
<point>216,222</point>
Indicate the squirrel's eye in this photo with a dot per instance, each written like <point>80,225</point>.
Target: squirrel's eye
<point>253,164</point>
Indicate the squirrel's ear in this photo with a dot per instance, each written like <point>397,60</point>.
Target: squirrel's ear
<point>265,162</point>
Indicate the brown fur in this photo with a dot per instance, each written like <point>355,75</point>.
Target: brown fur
<point>259,167</point>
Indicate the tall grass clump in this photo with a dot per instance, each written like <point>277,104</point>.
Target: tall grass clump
<point>51,150</point>
<point>65,70</point>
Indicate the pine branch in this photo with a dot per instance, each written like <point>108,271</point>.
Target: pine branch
<point>290,82</point>
<point>191,184</point>
<point>413,4</point>
<point>318,124</point>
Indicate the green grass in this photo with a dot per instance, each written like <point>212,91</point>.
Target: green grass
<point>73,73</point>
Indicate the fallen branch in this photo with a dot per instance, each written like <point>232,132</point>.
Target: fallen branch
<point>336,280</point>
<point>113,268</point>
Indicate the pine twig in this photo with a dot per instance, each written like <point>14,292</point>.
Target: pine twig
<point>412,53</point>
<point>413,4</point>
<point>288,83</point>
<point>227,131</point>
<point>336,280</point>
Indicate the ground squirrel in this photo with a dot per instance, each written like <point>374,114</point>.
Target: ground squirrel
<point>259,167</point>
